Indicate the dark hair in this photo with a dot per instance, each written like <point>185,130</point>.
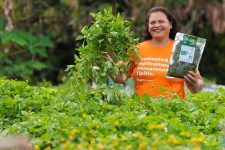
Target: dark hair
<point>170,17</point>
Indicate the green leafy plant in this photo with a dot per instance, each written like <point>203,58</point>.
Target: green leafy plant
<point>105,42</point>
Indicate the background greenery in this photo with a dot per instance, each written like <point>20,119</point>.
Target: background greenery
<point>42,41</point>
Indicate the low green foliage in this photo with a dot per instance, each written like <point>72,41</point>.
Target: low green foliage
<point>72,117</point>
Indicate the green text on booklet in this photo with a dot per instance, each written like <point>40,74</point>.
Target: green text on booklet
<point>186,55</point>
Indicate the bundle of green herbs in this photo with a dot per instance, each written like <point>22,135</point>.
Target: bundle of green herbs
<point>107,42</point>
<point>186,55</point>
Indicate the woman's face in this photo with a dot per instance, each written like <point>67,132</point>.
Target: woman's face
<point>159,26</point>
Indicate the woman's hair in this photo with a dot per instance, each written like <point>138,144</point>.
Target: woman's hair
<point>170,17</point>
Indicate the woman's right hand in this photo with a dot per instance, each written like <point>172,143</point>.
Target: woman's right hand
<point>121,63</point>
<point>120,78</point>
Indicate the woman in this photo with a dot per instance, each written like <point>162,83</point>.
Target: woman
<point>149,72</point>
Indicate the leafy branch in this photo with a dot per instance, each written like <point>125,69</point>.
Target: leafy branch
<point>107,40</point>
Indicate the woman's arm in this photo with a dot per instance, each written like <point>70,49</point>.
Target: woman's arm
<point>194,82</point>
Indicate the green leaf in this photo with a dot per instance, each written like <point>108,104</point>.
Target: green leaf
<point>79,37</point>
<point>45,137</point>
<point>36,64</point>
<point>136,53</point>
<point>38,51</point>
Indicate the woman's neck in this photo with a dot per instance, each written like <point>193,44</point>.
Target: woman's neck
<point>161,42</point>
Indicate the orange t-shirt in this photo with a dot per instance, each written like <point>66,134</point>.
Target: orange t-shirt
<point>149,72</point>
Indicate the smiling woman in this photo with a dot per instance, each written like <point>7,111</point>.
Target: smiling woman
<point>149,72</point>
<point>161,29</point>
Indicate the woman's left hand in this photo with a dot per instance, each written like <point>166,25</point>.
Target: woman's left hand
<point>194,82</point>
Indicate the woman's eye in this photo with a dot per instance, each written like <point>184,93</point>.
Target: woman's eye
<point>152,23</point>
<point>161,21</point>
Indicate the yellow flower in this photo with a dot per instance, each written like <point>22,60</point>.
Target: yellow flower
<point>91,131</point>
<point>48,148</point>
<point>198,139</point>
<point>156,126</point>
<point>142,145</point>
<point>115,142</point>
<point>197,147</point>
<point>136,135</point>
<point>90,147</point>
<point>66,145</point>
<point>220,97</point>
<point>154,148</point>
<point>84,115</point>
<point>100,146</point>
<point>173,140</point>
<point>129,147</point>
<point>72,133</point>
<point>92,140</point>
<point>185,134</point>
<point>80,146</point>
<point>37,147</point>
<point>85,143</point>
<point>155,136</point>
<point>123,138</point>
<point>116,123</point>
